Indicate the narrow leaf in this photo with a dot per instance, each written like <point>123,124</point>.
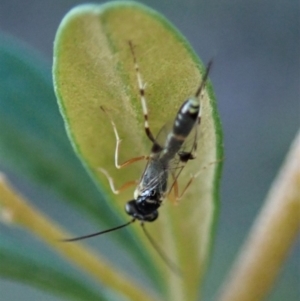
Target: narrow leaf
<point>17,267</point>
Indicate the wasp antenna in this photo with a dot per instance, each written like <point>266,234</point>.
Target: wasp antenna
<point>98,233</point>
<point>173,267</point>
<point>204,79</point>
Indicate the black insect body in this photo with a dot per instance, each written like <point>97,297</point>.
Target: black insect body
<point>152,188</point>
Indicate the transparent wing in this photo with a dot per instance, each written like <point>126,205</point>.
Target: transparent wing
<point>162,135</point>
<point>180,158</point>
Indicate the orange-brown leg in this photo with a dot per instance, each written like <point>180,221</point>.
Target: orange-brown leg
<point>179,197</point>
<point>112,185</point>
<point>119,166</point>
<point>176,197</point>
<point>173,197</point>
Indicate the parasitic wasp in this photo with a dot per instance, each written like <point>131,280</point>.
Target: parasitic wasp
<point>173,147</point>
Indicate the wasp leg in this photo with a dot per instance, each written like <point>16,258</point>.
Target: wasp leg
<point>174,187</point>
<point>141,87</point>
<point>173,197</point>
<point>178,198</point>
<point>118,142</point>
<point>112,185</point>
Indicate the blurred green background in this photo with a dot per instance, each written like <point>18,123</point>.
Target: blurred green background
<point>255,46</point>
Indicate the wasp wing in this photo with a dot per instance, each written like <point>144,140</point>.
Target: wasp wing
<point>181,156</point>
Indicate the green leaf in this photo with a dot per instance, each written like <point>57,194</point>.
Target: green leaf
<point>20,267</point>
<point>33,142</point>
<point>93,67</point>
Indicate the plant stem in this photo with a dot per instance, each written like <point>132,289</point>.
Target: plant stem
<point>15,209</point>
<point>271,237</point>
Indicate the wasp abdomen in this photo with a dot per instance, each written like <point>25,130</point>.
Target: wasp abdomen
<point>186,117</point>
<point>184,122</point>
